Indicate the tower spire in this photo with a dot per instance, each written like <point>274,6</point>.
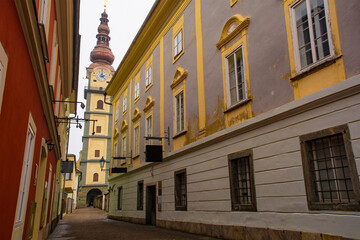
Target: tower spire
<point>102,54</point>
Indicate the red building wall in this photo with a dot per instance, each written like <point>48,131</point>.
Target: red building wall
<point>21,97</point>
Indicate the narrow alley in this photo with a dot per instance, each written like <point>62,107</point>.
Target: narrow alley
<point>92,223</point>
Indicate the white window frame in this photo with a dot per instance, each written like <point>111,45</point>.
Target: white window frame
<point>294,32</point>
<point>136,90</point>
<point>228,95</point>
<point>3,67</point>
<point>178,44</point>
<point>148,76</point>
<point>124,152</point>
<point>44,10</point>
<point>137,140</point>
<point>26,174</point>
<point>182,117</point>
<point>149,126</point>
<point>124,104</point>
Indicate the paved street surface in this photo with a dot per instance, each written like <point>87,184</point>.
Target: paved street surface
<point>92,223</point>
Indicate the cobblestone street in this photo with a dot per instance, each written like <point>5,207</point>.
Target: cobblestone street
<point>92,223</point>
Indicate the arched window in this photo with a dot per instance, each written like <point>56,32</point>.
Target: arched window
<point>100,104</point>
<point>103,39</point>
<point>95,177</point>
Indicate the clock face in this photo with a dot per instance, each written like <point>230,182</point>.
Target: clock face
<point>101,76</point>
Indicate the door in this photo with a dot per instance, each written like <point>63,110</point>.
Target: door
<point>151,205</point>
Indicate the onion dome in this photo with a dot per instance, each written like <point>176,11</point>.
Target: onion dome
<point>101,54</point>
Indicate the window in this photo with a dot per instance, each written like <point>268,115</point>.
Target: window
<point>100,104</point>
<point>311,36</point>
<point>95,177</point>
<point>117,110</point>
<point>140,195</point>
<point>67,176</point>
<point>98,129</point>
<point>149,126</point>
<point>25,176</point>
<point>97,153</point>
<point>3,68</point>
<point>137,90</point>
<point>148,75</point>
<point>179,112</point>
<point>124,146</point>
<point>136,140</point>
<point>116,149</point>
<point>180,190</point>
<point>330,172</point>
<point>44,9</point>
<point>125,104</point>
<point>178,44</point>
<point>119,198</point>
<point>242,181</point>
<point>236,77</point>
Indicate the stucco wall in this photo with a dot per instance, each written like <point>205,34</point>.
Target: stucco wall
<point>279,181</point>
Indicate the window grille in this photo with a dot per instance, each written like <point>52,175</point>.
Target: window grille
<point>140,195</point>
<point>180,190</point>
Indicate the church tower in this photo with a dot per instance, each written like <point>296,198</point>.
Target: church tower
<point>97,134</point>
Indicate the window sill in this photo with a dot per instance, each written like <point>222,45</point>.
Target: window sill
<point>183,132</point>
<point>313,206</point>
<point>178,56</point>
<point>315,67</point>
<point>148,87</point>
<point>136,100</point>
<point>241,103</point>
<point>124,113</point>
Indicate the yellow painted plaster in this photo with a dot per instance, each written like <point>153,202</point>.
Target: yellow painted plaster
<point>91,168</point>
<point>102,120</point>
<point>162,89</point>
<point>96,144</point>
<point>328,75</point>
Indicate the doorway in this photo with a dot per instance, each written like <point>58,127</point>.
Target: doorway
<point>92,194</point>
<point>151,205</point>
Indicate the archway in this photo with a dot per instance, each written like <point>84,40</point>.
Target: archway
<point>91,195</point>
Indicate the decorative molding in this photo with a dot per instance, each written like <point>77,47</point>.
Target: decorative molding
<point>116,133</point>
<point>180,75</point>
<point>137,114</point>
<point>228,34</point>
<point>124,126</point>
<point>149,103</point>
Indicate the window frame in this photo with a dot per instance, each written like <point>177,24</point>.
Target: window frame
<point>313,204</point>
<point>148,77</point>
<point>182,117</point>
<point>179,207</point>
<point>140,195</point>
<point>177,44</point>
<point>295,41</point>
<point>236,206</point>
<point>124,105</point>
<point>136,91</point>
<point>95,177</point>
<point>3,69</point>
<point>95,153</point>
<point>120,193</point>
<point>136,140</point>
<point>98,129</point>
<point>227,77</point>
<point>100,104</point>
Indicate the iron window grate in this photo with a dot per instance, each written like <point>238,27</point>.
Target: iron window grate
<point>330,169</point>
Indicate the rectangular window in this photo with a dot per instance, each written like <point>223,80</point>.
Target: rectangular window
<point>311,25</point>
<point>242,181</point>
<point>179,112</point>
<point>330,172</point>
<point>140,195</point>
<point>124,147</point>
<point>180,191</point>
<point>149,126</point>
<point>97,153</point>
<point>148,75</point>
<point>67,176</point>
<point>119,203</point>
<point>98,129</point>
<point>137,90</point>
<point>178,44</point>
<point>236,77</point>
<point>125,104</point>
<point>25,176</point>
<point>136,141</point>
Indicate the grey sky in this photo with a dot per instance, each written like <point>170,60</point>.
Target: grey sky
<point>125,19</point>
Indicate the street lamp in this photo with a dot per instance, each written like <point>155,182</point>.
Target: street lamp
<point>102,163</point>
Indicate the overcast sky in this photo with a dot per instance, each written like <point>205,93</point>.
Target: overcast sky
<point>125,19</point>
